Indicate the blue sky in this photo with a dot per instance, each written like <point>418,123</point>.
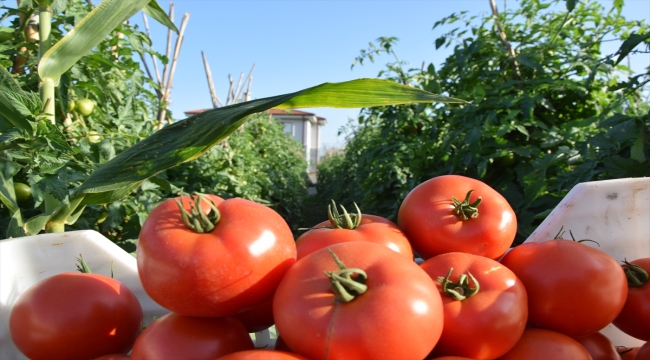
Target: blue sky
<point>301,43</point>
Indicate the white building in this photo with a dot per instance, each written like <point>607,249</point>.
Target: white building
<point>303,126</point>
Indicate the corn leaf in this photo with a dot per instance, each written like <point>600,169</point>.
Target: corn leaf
<point>90,31</point>
<point>157,13</point>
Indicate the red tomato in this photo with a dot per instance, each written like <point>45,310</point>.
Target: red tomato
<point>257,318</point>
<point>484,325</point>
<point>176,336</point>
<point>221,272</point>
<point>113,357</point>
<point>572,288</point>
<point>280,345</point>
<point>75,316</point>
<point>399,316</point>
<point>371,228</point>
<point>262,355</point>
<point>627,353</point>
<point>450,358</point>
<point>599,347</point>
<point>634,319</point>
<point>429,218</point>
<point>643,353</point>
<point>541,344</point>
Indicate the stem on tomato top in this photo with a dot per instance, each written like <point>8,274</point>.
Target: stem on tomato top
<point>345,286</point>
<point>82,265</point>
<point>636,276</point>
<point>196,220</point>
<point>461,289</point>
<point>345,220</point>
<point>466,210</point>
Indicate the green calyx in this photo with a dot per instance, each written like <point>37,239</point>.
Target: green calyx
<point>82,265</point>
<point>344,284</point>
<point>196,220</point>
<point>461,289</point>
<point>466,210</point>
<point>636,276</point>
<point>345,220</point>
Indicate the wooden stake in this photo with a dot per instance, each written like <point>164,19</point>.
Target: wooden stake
<point>208,74</point>
<point>155,63</point>
<point>504,40</point>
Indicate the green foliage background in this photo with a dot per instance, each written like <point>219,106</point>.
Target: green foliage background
<point>258,162</point>
<point>556,114</point>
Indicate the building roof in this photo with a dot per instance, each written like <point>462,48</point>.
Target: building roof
<point>270,111</point>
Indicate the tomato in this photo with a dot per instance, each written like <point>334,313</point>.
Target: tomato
<point>280,345</point>
<point>23,192</point>
<point>643,353</point>
<point>262,355</point>
<point>259,317</point>
<point>627,353</point>
<point>634,319</point>
<point>599,347</point>
<point>220,272</point>
<point>541,344</point>
<point>362,227</point>
<point>385,305</point>
<point>176,336</point>
<point>113,357</point>
<point>75,316</point>
<point>481,325</point>
<point>450,358</point>
<point>71,105</point>
<point>436,222</point>
<point>572,288</point>
<point>85,106</point>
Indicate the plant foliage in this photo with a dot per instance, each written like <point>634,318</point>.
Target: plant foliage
<point>556,114</point>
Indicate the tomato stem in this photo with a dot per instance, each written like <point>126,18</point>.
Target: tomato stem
<point>344,285</point>
<point>636,276</point>
<point>196,220</point>
<point>344,221</point>
<point>466,210</point>
<point>461,289</point>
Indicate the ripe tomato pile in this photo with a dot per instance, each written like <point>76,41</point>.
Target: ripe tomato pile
<point>350,287</point>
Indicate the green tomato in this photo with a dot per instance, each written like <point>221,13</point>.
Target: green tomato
<point>23,192</point>
<point>93,137</point>
<point>85,107</point>
<point>71,105</point>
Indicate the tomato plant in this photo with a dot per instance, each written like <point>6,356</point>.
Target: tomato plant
<point>485,305</point>
<point>358,300</point>
<point>232,260</point>
<point>552,270</point>
<point>353,227</point>
<point>634,319</point>
<point>436,222</point>
<point>599,347</point>
<point>541,344</point>
<point>262,355</point>
<point>176,336</point>
<point>72,316</point>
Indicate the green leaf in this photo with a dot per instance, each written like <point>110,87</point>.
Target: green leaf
<point>89,32</point>
<point>7,193</point>
<point>637,150</point>
<point>13,109</point>
<point>629,44</point>
<point>439,42</point>
<point>618,5</point>
<point>15,228</point>
<point>620,167</point>
<point>188,139</point>
<point>59,6</point>
<point>157,13</point>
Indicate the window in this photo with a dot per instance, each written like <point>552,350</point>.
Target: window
<point>289,128</point>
